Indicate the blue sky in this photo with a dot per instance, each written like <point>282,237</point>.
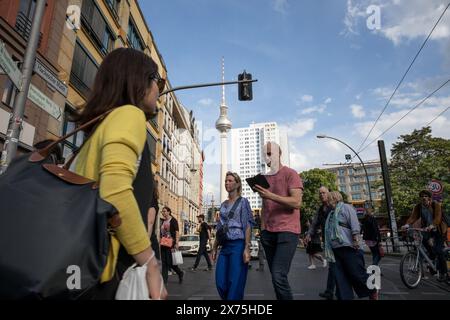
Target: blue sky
<point>320,68</point>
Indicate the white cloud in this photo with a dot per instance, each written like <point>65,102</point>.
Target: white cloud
<point>411,93</point>
<point>415,120</point>
<point>299,128</point>
<point>401,20</point>
<point>357,111</point>
<point>352,16</point>
<point>307,98</point>
<point>327,100</point>
<point>281,6</point>
<point>319,109</point>
<point>206,102</point>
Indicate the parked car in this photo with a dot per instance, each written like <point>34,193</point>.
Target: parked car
<point>188,244</point>
<point>254,247</point>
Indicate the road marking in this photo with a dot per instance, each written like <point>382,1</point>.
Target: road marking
<point>434,293</point>
<point>255,295</point>
<point>393,293</point>
<point>298,294</point>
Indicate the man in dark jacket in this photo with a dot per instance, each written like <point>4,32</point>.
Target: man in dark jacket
<point>372,236</point>
<point>205,235</point>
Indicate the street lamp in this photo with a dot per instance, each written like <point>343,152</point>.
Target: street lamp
<point>323,136</point>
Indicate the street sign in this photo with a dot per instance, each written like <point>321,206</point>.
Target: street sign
<point>9,66</point>
<point>437,197</point>
<point>44,102</point>
<point>50,78</point>
<point>435,186</point>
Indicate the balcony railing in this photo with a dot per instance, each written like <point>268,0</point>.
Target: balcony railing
<point>23,27</point>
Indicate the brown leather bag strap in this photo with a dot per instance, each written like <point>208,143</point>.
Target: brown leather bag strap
<point>42,154</point>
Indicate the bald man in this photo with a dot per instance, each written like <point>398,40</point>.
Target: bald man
<point>280,218</point>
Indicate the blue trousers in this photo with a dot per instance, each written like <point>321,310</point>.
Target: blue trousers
<point>350,273</point>
<point>331,280</point>
<point>231,271</point>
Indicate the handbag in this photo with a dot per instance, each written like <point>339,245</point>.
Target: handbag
<point>177,257</point>
<point>54,228</point>
<point>166,242</point>
<point>133,285</point>
<point>221,233</point>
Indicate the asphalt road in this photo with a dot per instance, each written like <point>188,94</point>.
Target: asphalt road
<point>306,284</point>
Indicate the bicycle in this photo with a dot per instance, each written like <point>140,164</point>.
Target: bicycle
<point>411,265</point>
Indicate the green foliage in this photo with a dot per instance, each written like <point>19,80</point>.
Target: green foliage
<point>312,180</point>
<point>416,159</point>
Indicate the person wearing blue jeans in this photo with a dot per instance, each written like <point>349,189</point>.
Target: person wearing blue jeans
<point>235,222</point>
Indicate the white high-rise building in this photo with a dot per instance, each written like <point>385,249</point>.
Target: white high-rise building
<point>247,153</point>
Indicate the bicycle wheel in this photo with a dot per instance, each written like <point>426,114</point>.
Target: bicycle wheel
<point>410,272</point>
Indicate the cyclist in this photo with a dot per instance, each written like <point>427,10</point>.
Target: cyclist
<point>429,213</point>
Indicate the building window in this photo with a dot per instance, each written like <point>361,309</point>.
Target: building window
<point>96,26</point>
<point>24,19</point>
<point>356,196</point>
<point>114,6</point>
<point>134,37</point>
<point>83,71</point>
<point>9,93</point>
<point>75,141</point>
<point>341,172</point>
<point>27,7</point>
<point>343,188</point>
<point>356,187</point>
<point>342,180</point>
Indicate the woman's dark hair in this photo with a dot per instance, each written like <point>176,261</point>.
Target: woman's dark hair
<point>168,210</point>
<point>123,78</point>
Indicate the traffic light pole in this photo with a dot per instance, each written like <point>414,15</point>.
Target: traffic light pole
<point>388,196</point>
<point>15,122</point>
<point>206,85</point>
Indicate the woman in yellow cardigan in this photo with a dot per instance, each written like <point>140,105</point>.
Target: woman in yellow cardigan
<point>128,82</point>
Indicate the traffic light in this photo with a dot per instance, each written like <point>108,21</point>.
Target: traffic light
<point>245,89</point>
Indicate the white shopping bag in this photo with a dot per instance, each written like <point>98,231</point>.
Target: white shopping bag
<point>177,258</point>
<point>133,285</point>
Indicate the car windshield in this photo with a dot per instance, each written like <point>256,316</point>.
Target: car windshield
<point>189,238</point>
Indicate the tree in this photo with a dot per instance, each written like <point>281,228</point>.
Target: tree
<point>416,159</point>
<point>312,180</point>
